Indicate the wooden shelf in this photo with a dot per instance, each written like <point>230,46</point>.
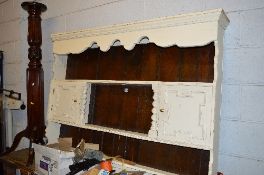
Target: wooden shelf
<point>17,161</point>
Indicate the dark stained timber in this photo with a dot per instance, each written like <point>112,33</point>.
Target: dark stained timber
<point>126,107</point>
<point>171,158</point>
<point>111,106</point>
<point>35,130</point>
<point>146,62</point>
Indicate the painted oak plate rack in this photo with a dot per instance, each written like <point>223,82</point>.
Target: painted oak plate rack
<point>182,111</point>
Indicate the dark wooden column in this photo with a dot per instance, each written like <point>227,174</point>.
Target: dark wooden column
<point>35,75</point>
<point>35,130</point>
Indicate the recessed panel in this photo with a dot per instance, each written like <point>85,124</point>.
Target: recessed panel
<point>121,106</point>
<point>185,115</point>
<point>69,101</point>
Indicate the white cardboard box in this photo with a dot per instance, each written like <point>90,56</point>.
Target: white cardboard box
<point>52,159</point>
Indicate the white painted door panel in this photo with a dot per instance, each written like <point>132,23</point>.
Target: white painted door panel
<point>185,114</point>
<point>69,102</point>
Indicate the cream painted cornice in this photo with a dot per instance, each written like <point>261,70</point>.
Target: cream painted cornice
<point>184,30</point>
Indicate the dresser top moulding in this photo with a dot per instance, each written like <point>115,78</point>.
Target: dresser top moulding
<point>184,30</point>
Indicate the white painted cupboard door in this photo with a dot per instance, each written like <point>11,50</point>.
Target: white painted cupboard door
<point>69,102</point>
<point>185,115</point>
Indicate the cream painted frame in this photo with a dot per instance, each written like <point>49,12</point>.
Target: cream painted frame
<point>185,30</point>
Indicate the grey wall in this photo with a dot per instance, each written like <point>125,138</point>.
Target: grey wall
<point>242,121</point>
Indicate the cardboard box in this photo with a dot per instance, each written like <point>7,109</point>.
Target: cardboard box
<point>52,159</point>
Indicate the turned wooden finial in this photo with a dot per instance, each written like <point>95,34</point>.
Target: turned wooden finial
<point>34,10</point>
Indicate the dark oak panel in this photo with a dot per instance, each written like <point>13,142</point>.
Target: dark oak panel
<point>176,159</point>
<point>83,65</point>
<point>146,62</point>
<point>126,107</point>
<point>170,64</point>
<point>111,64</point>
<point>110,106</point>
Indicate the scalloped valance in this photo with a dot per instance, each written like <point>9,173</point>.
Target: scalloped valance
<point>194,29</point>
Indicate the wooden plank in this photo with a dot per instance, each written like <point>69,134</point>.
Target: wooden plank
<point>147,62</point>
<point>126,107</point>
<point>112,107</point>
<point>17,160</point>
<point>171,158</point>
